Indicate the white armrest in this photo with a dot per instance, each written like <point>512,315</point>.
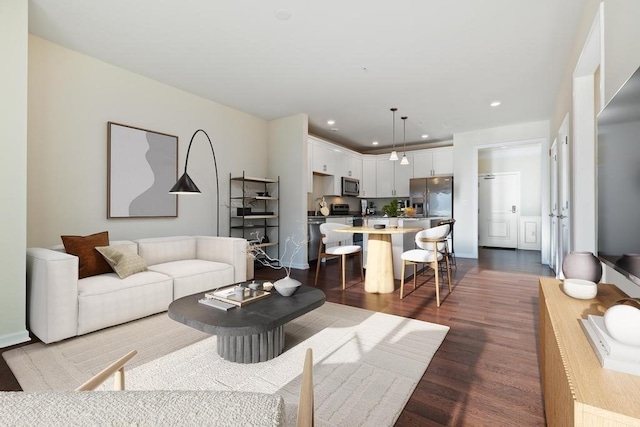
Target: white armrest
<point>52,292</point>
<point>232,250</point>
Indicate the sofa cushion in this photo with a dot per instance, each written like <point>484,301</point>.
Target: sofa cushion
<point>158,250</point>
<point>123,260</point>
<point>91,262</point>
<point>193,276</point>
<point>152,408</point>
<point>107,300</point>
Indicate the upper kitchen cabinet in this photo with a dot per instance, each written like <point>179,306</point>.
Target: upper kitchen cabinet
<point>351,165</point>
<point>392,178</point>
<point>433,162</point>
<point>369,173</point>
<point>323,158</point>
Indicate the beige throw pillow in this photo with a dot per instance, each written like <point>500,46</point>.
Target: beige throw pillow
<point>122,260</point>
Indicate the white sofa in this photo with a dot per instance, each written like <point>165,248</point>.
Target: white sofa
<point>61,306</point>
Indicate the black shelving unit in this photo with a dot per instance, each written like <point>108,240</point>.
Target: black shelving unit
<point>254,208</point>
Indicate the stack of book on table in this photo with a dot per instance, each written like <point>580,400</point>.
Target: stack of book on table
<point>612,354</point>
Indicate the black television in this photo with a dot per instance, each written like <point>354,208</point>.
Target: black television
<point>618,177</point>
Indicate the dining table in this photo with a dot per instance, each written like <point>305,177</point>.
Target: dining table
<point>379,276</point>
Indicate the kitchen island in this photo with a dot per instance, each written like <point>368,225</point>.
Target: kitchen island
<point>380,258</point>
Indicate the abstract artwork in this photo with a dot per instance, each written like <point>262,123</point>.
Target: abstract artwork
<point>142,168</point>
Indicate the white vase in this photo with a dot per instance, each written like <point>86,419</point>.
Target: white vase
<point>286,286</point>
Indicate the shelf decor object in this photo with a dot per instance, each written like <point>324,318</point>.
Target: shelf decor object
<point>582,265</point>
<point>185,184</point>
<point>141,165</point>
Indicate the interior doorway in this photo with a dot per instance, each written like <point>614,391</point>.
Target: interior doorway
<point>498,209</point>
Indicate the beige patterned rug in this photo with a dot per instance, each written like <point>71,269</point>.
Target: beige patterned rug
<point>366,364</point>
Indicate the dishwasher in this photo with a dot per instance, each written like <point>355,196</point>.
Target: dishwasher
<point>314,237</point>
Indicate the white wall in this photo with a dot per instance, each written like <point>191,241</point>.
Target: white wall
<point>71,99</point>
<point>465,153</point>
<point>288,149</point>
<point>13,209</point>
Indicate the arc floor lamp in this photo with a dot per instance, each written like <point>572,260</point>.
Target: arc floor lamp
<point>185,184</point>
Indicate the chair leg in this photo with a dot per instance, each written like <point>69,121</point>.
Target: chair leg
<point>361,266</point>
<point>318,262</point>
<point>402,280</point>
<point>448,264</point>
<point>343,261</point>
<point>435,269</point>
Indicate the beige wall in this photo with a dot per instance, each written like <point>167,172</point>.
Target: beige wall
<point>13,174</point>
<point>71,99</point>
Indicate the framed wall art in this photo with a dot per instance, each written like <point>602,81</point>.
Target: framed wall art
<point>142,167</point>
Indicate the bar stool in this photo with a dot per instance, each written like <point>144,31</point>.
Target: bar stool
<point>430,243</point>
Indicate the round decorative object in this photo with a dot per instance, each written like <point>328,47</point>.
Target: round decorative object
<point>580,289</point>
<point>582,265</point>
<point>623,323</point>
<point>630,263</point>
<point>286,286</point>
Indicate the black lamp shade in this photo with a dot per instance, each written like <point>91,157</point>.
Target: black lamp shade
<point>185,185</point>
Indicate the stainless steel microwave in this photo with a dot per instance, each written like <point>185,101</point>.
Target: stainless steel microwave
<point>350,186</point>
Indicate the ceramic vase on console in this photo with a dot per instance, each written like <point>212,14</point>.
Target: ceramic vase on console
<point>286,286</point>
<point>582,265</point>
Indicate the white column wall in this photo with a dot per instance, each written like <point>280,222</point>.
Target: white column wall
<point>13,170</point>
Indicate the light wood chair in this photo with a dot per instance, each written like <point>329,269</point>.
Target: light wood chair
<point>330,236</point>
<point>432,249</point>
<point>116,369</point>
<point>305,400</point>
<point>450,249</point>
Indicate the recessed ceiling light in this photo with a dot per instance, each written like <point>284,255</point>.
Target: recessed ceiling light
<point>331,122</point>
<point>374,143</point>
<point>282,14</point>
<point>495,103</point>
<point>425,136</point>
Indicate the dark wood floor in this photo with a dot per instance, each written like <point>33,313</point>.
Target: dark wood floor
<point>486,371</point>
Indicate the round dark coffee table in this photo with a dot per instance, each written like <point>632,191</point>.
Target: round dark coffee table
<point>251,333</point>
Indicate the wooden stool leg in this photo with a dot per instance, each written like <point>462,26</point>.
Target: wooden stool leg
<point>435,268</point>
<point>343,260</point>
<point>402,280</point>
<point>318,262</point>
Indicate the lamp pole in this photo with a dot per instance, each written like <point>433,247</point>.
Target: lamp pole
<point>185,184</point>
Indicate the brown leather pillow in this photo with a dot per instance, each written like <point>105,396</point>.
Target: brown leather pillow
<point>91,263</point>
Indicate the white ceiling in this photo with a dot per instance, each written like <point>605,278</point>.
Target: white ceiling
<point>440,62</point>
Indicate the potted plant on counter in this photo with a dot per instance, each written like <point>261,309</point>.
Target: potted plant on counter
<point>390,210</point>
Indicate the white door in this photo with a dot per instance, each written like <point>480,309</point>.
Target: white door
<point>499,203</point>
<point>564,196</point>
<point>553,216</point>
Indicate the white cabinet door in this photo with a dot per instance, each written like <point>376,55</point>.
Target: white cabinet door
<point>402,175</point>
<point>423,163</point>
<point>433,162</point>
<point>443,161</point>
<point>385,177</point>
<point>368,182</point>
<point>323,159</point>
<point>352,166</point>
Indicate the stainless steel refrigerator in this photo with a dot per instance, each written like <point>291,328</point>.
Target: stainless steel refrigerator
<point>432,197</point>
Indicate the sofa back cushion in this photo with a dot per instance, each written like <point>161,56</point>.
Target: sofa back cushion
<point>158,250</point>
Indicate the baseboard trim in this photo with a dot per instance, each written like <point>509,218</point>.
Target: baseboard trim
<point>14,338</point>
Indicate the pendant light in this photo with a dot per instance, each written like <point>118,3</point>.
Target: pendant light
<point>394,155</point>
<point>405,160</point>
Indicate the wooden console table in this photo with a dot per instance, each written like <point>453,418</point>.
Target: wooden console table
<point>577,390</point>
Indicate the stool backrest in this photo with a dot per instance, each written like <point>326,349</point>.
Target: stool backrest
<point>434,233</point>
<point>329,235</point>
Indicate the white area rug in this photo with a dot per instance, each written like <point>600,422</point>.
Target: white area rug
<point>366,364</point>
